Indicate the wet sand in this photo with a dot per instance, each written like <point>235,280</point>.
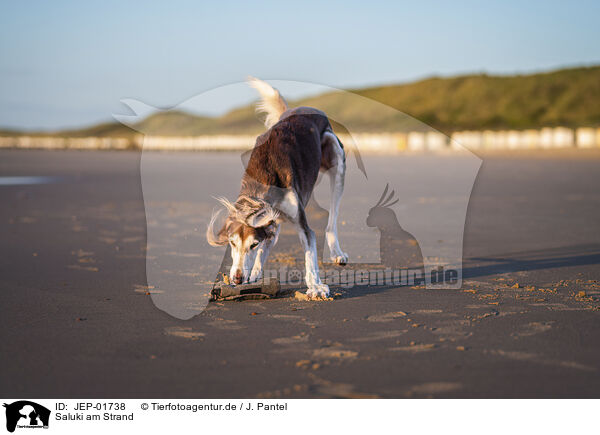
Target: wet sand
<point>78,319</point>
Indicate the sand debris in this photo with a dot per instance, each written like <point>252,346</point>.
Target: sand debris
<point>299,296</point>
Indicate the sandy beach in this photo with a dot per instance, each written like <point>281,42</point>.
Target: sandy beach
<point>80,320</point>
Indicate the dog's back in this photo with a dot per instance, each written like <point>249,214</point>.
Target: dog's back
<point>289,153</point>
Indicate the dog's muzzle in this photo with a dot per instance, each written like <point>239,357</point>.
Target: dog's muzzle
<point>238,278</point>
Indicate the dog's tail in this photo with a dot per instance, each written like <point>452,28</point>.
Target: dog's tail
<point>272,103</point>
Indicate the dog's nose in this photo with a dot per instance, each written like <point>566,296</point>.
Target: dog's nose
<point>237,279</point>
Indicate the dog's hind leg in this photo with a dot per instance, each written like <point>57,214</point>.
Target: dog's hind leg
<point>337,171</point>
<point>316,289</point>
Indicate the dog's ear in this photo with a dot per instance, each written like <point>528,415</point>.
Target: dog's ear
<point>231,207</point>
<point>255,212</point>
<point>262,217</point>
<point>219,238</point>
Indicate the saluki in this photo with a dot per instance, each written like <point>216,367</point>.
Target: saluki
<point>277,184</point>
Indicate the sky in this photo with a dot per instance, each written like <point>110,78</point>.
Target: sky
<point>68,64</point>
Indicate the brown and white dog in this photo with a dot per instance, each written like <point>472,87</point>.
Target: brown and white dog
<point>277,184</point>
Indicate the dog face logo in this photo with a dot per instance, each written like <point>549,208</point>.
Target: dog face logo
<point>26,414</point>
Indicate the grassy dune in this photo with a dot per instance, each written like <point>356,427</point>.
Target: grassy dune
<point>567,97</point>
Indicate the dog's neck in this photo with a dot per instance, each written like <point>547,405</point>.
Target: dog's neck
<point>254,188</point>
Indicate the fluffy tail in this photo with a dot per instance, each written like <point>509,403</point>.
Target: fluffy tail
<point>272,103</point>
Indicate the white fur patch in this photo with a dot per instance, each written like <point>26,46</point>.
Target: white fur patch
<point>289,204</point>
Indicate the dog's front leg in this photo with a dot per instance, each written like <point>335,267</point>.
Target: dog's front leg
<point>316,289</point>
<point>261,256</point>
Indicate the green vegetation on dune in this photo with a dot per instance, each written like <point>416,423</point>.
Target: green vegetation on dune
<point>567,97</point>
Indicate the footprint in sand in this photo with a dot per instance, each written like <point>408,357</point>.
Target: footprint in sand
<point>533,328</point>
<point>294,345</point>
<point>380,335</point>
<point>432,388</point>
<point>287,341</point>
<point>387,317</point>
<point>327,353</point>
<point>452,329</point>
<point>540,359</point>
<point>511,311</point>
<point>415,348</point>
<point>184,332</point>
<point>557,307</point>
<point>338,390</point>
<point>84,261</point>
<point>224,324</point>
<point>429,312</point>
<point>294,318</point>
<point>79,267</point>
<point>132,239</point>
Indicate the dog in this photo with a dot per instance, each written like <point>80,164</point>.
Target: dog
<point>278,182</point>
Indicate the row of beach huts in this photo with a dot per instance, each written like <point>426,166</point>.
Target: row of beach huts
<point>545,138</point>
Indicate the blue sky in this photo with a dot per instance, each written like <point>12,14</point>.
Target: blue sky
<point>66,64</point>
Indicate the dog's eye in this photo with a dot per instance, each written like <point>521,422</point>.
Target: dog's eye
<point>232,243</point>
<point>253,245</point>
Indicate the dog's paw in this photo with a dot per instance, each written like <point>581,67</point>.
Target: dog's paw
<point>318,291</point>
<point>342,259</point>
<point>255,276</point>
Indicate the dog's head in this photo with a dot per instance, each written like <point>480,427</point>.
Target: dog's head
<point>250,224</point>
